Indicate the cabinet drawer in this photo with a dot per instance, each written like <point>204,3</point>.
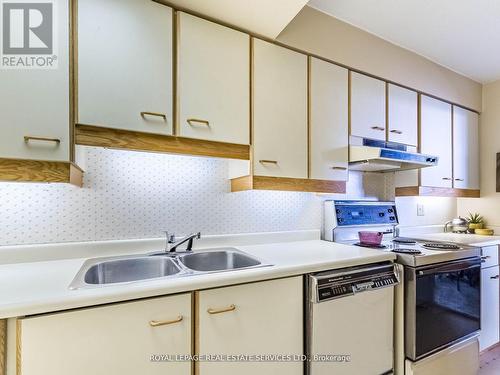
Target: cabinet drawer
<point>490,256</point>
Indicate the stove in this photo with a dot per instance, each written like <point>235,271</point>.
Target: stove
<point>344,219</point>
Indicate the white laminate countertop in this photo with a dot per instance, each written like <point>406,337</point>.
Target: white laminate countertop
<point>37,287</point>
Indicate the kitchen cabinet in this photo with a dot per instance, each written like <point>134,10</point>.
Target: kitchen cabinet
<point>465,149</point>
<point>368,106</point>
<point>35,107</point>
<point>280,111</point>
<point>490,298</point>
<point>114,339</point>
<point>263,318</point>
<point>402,119</point>
<point>125,65</point>
<point>213,81</point>
<point>329,140</point>
<point>436,140</point>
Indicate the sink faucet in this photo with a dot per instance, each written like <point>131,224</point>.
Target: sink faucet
<point>172,244</point>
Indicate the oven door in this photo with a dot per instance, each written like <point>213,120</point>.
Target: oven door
<point>442,305</point>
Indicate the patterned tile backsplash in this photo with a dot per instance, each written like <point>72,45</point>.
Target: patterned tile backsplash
<point>138,195</point>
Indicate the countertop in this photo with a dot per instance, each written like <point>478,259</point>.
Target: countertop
<point>38,287</point>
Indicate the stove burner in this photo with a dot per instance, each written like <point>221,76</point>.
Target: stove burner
<point>407,251</point>
<point>441,246</point>
<point>370,245</point>
<point>408,241</point>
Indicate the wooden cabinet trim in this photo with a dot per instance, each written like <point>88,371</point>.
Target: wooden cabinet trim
<point>410,191</point>
<point>97,136</point>
<point>287,184</point>
<point>3,346</point>
<point>25,170</point>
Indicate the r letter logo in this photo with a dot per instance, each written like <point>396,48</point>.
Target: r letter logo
<point>28,35</point>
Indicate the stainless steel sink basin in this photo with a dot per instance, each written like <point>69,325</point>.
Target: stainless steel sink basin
<point>221,260</point>
<point>126,269</point>
<point>121,270</point>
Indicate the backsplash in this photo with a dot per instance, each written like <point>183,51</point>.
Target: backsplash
<point>138,195</point>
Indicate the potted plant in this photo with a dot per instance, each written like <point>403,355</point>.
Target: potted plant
<point>476,221</point>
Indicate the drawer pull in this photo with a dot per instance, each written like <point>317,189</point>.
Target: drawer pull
<point>396,131</point>
<point>459,179</point>
<point>162,115</point>
<point>268,162</point>
<point>220,311</point>
<point>158,323</point>
<point>378,128</point>
<point>495,277</point>
<point>484,257</point>
<point>447,178</point>
<point>339,168</point>
<point>28,138</point>
<point>194,121</point>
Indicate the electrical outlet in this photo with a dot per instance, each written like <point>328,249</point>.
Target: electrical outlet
<point>420,209</point>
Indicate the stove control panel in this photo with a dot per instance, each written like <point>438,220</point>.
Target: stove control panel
<point>352,214</point>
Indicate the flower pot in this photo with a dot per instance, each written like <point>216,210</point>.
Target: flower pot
<point>474,226</point>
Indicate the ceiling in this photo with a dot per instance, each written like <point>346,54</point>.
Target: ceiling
<point>263,17</point>
<point>462,35</point>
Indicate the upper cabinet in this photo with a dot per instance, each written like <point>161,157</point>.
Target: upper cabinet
<point>328,121</point>
<point>280,111</point>
<point>402,116</point>
<point>465,149</point>
<point>436,140</point>
<point>35,121</point>
<point>213,81</point>
<point>125,65</point>
<point>368,105</point>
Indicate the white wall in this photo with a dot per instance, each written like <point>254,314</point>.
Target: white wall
<point>489,140</point>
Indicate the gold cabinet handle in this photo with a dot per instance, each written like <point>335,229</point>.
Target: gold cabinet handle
<point>339,168</point>
<point>396,131</point>
<point>268,162</point>
<point>158,323</point>
<point>194,121</point>
<point>220,311</point>
<point>156,114</point>
<point>378,128</point>
<point>28,138</point>
<point>447,178</point>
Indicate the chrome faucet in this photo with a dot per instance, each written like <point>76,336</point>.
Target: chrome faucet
<point>172,244</point>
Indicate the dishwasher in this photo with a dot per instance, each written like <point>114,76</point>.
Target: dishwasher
<point>350,320</point>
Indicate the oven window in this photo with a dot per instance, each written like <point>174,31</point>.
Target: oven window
<point>447,308</point>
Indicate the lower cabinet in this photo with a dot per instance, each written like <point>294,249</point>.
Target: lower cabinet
<point>490,305</point>
<point>114,339</point>
<point>263,318</point>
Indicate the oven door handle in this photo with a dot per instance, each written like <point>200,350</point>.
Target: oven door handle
<point>449,268</point>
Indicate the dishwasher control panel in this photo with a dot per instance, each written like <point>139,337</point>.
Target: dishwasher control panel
<point>349,281</point>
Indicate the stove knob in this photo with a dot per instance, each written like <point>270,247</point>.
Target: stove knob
<point>381,214</point>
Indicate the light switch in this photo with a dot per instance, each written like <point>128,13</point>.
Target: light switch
<point>420,209</point>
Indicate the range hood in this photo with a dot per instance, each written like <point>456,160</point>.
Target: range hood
<point>377,156</point>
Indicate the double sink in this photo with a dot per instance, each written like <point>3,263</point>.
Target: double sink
<point>125,269</point>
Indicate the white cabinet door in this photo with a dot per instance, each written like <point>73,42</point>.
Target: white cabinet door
<point>214,81</point>
<point>402,115</point>
<point>114,339</point>
<point>280,111</point>
<point>329,142</point>
<point>125,65</point>
<point>435,136</point>
<point>35,103</point>
<point>367,107</point>
<point>258,319</point>
<point>490,306</point>
<point>465,149</point>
